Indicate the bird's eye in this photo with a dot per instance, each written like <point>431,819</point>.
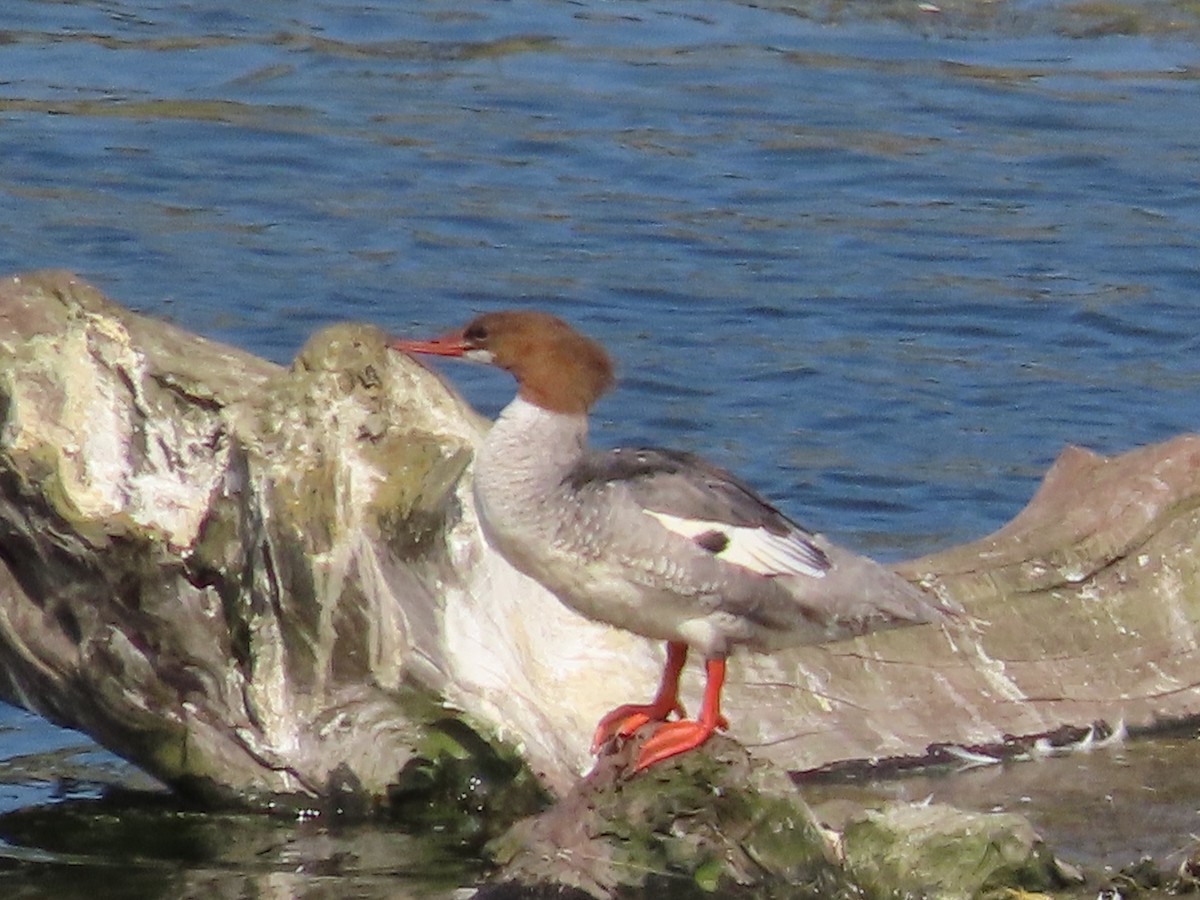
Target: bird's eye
<point>476,332</point>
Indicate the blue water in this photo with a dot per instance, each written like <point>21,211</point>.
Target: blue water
<point>884,275</point>
<point>883,269</point>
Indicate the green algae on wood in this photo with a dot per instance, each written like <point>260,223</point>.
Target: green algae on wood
<point>712,820</point>
<point>937,851</point>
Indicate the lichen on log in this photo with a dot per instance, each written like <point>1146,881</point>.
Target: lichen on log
<point>195,565</point>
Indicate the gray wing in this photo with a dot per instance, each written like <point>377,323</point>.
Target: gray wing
<point>707,504</point>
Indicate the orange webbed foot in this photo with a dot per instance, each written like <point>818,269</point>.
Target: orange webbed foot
<point>670,738</point>
<point>673,738</point>
<point>623,721</point>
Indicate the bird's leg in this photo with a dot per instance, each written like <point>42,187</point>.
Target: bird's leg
<point>672,738</point>
<point>625,720</point>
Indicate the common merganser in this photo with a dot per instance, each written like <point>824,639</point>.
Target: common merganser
<point>657,542</point>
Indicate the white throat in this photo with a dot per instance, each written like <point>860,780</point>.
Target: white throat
<point>519,488</point>
<point>529,444</point>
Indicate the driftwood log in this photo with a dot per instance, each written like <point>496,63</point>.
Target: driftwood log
<point>266,584</point>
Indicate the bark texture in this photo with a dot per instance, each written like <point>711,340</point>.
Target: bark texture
<point>223,570</point>
<point>1087,608</point>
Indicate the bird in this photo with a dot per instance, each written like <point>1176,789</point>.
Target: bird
<point>655,541</point>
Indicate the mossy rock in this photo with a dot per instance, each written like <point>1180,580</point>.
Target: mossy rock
<point>938,851</point>
<point>705,822</point>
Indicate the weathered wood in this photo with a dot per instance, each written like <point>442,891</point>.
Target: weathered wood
<point>1088,610</point>
<point>202,550</point>
<point>261,583</point>
<point>209,554</point>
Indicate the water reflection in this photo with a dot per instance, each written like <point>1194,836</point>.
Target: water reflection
<point>1101,810</point>
<point>146,845</point>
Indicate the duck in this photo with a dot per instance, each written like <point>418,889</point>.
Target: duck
<point>655,541</point>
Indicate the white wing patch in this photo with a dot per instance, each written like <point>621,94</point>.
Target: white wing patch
<point>755,549</point>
